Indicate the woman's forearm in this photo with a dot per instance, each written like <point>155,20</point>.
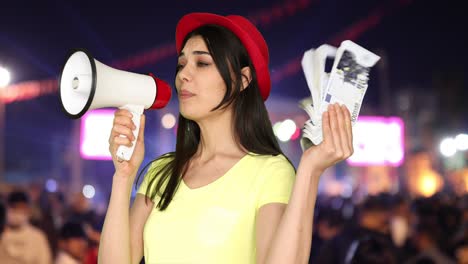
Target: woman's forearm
<point>292,240</point>
<point>306,240</point>
<point>114,246</point>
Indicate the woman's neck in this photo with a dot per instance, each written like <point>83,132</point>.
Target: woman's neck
<point>217,138</point>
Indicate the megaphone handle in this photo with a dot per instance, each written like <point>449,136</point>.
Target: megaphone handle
<point>124,152</point>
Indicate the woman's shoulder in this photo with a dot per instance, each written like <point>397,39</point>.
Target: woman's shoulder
<point>268,157</point>
<point>160,162</point>
<point>262,160</point>
<point>153,170</point>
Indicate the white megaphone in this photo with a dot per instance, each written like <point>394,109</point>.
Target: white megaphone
<point>87,84</point>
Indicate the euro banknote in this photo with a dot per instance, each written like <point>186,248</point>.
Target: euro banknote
<point>346,84</point>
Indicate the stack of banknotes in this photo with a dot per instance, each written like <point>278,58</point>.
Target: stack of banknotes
<point>346,84</point>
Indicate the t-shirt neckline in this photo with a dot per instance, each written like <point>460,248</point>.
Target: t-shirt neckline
<point>220,179</point>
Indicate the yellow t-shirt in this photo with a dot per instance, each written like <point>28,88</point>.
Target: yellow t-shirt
<point>216,223</point>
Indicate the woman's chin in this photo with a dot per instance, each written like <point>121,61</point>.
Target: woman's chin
<point>190,115</point>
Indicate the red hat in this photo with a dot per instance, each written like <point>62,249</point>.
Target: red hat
<point>248,34</point>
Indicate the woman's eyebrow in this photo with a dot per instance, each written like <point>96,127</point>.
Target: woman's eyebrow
<point>196,52</point>
<point>199,52</point>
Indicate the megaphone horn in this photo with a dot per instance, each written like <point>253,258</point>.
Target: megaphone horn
<point>86,84</point>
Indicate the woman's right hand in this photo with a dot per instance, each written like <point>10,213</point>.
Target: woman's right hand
<point>123,125</point>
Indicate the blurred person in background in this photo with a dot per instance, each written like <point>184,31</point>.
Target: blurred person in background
<point>35,191</point>
<point>449,220</point>
<point>80,210</point>
<point>5,257</point>
<point>370,250</point>
<point>441,213</point>
<point>425,239</point>
<point>56,204</point>
<point>375,214</point>
<point>53,203</point>
<point>372,223</point>
<point>401,223</point>
<point>24,241</point>
<point>73,244</point>
<point>46,217</point>
<point>461,252</point>
<point>461,237</point>
<point>94,236</point>
<point>329,223</point>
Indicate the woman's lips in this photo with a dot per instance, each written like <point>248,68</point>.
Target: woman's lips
<point>185,94</point>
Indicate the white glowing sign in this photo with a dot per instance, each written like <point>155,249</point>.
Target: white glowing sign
<point>378,141</point>
<point>96,126</point>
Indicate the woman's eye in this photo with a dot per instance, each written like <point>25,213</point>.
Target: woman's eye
<point>179,67</point>
<point>199,64</point>
<point>202,64</point>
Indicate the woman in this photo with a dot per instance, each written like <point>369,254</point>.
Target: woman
<point>227,194</point>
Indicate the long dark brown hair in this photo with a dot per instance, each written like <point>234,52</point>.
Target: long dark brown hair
<point>252,126</point>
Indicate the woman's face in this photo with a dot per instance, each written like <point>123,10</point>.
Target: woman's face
<point>199,84</point>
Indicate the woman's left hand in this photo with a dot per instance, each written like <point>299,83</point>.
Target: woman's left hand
<point>337,144</point>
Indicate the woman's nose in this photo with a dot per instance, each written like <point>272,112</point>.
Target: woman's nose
<point>185,74</point>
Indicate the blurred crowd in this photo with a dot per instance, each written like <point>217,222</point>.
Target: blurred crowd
<point>43,227</point>
<point>391,228</point>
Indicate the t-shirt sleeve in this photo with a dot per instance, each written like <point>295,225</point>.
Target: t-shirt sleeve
<point>278,177</point>
<point>150,175</point>
<point>144,184</point>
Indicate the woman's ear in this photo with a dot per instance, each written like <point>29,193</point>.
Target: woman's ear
<point>246,77</point>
